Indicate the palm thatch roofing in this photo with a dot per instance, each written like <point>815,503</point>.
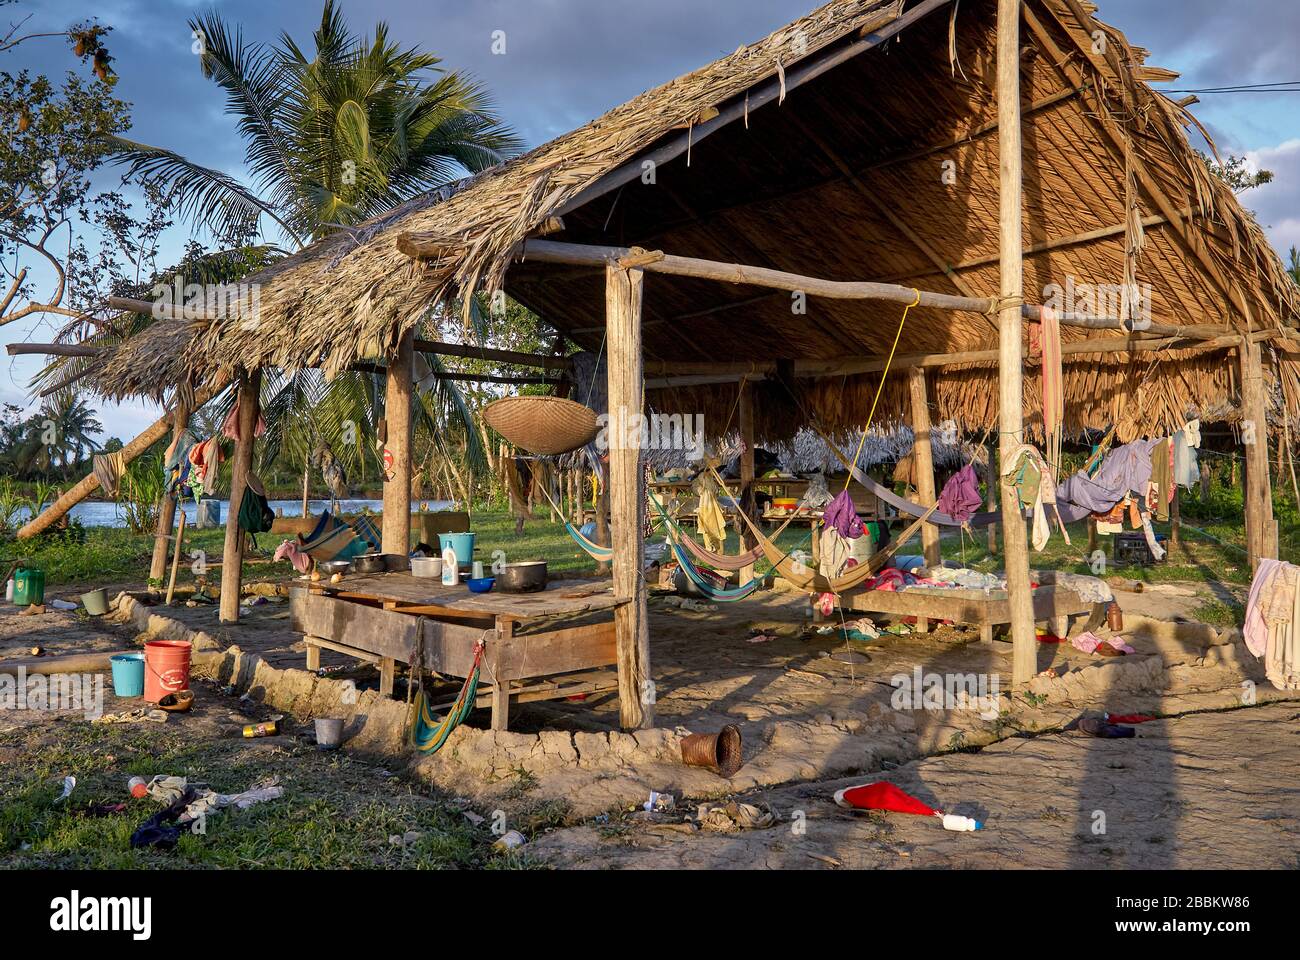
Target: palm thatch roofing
<point>877,160</point>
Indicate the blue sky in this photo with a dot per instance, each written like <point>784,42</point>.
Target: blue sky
<point>567,61</point>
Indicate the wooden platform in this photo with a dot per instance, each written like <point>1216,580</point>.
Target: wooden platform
<point>546,645</point>
<point>1054,605</point>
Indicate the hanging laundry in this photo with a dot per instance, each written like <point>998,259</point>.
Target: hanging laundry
<point>205,461</point>
<point>833,553</point>
<point>1272,628</point>
<point>289,550</point>
<point>230,427</point>
<point>1187,471</point>
<point>1126,469</point>
<point>1049,333</point>
<point>960,498</point>
<point>1028,473</point>
<point>711,522</point>
<point>842,514</point>
<point>1161,488</point>
<point>108,471</point>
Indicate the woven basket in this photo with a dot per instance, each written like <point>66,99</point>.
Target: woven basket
<point>545,426</point>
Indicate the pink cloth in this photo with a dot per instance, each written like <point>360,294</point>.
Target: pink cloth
<point>842,514</point>
<point>960,498</point>
<point>230,428</point>
<point>1255,631</point>
<point>1089,642</point>
<point>289,551</point>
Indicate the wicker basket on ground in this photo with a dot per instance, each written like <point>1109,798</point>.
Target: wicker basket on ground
<point>542,425</point>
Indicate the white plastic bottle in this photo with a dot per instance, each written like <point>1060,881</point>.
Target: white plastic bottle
<point>952,821</point>
<point>450,567</point>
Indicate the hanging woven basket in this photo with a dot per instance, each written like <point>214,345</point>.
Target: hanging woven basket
<point>542,425</point>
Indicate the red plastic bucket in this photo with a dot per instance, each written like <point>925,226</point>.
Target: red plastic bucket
<point>166,668</point>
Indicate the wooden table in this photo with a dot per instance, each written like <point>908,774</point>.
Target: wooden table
<point>1053,604</point>
<point>555,643</point>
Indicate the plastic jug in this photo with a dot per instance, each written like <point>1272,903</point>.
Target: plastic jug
<point>450,567</point>
<point>29,586</point>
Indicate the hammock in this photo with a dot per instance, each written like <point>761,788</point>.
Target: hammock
<point>721,594</point>
<point>798,574</point>
<point>904,505</point>
<point>429,733</point>
<point>332,539</point>
<point>596,551</point>
<point>721,561</point>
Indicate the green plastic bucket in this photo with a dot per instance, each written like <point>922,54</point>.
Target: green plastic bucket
<point>95,602</point>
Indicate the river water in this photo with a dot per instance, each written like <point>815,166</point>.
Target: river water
<point>99,514</point>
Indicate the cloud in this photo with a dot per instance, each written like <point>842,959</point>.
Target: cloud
<point>1277,204</point>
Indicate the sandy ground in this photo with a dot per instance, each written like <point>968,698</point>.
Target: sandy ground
<point>1211,790</point>
<point>1203,789</point>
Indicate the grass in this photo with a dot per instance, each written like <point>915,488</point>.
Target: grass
<point>336,812</point>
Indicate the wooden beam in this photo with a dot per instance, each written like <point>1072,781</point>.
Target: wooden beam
<point>623,291</point>
<point>551,251</point>
<point>232,557</point>
<point>167,507</point>
<point>90,483</point>
<point>1254,437</point>
<point>52,349</point>
<point>396,532</point>
<point>923,460</point>
<point>470,351</point>
<point>1011,400</point>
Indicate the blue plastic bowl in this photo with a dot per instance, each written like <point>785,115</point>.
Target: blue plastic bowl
<point>481,584</point>
<point>128,674</point>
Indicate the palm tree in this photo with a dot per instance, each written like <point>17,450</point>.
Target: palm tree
<point>73,427</point>
<point>331,140</point>
<point>353,131</point>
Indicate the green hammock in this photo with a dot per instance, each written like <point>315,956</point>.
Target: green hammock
<point>429,733</point>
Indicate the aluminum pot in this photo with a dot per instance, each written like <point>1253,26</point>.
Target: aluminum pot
<point>522,577</point>
<point>369,563</point>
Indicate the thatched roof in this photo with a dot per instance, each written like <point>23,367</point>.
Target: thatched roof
<point>882,167</point>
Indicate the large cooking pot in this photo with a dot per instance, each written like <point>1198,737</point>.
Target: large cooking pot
<point>369,563</point>
<point>522,577</point>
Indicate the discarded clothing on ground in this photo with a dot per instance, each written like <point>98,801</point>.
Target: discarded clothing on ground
<point>1089,642</point>
<point>1097,727</point>
<point>138,715</point>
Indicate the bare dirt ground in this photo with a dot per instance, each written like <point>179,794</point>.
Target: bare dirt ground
<point>1202,789</point>
<point>1211,790</point>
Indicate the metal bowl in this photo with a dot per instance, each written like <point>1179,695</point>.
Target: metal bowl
<point>522,577</point>
<point>328,568</point>
<point>369,563</point>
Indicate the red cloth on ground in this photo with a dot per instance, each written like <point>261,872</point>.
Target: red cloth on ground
<point>1129,717</point>
<point>884,796</point>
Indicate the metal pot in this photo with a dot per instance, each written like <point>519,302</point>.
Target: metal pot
<point>369,563</point>
<point>522,577</point>
<point>328,568</point>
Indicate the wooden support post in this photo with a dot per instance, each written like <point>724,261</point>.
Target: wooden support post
<point>746,473</point>
<point>387,676</point>
<point>232,558</point>
<point>1015,550</point>
<point>167,508</point>
<point>1254,436</point>
<point>396,533</point>
<point>313,655</point>
<point>923,461</point>
<point>623,289</point>
<point>176,557</point>
<point>1176,518</point>
<point>991,483</point>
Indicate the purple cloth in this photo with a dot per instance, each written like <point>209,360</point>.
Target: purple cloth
<point>1124,469</point>
<point>961,495</point>
<point>841,514</point>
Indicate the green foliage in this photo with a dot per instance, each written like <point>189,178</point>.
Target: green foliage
<point>140,488</point>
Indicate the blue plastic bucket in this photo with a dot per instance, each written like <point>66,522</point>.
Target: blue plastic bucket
<point>128,674</point>
<point>461,543</point>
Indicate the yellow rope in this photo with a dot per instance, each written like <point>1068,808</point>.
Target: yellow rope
<point>883,374</point>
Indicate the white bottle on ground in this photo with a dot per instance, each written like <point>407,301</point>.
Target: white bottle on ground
<point>952,821</point>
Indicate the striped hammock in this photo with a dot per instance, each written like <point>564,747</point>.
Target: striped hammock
<point>429,733</point>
